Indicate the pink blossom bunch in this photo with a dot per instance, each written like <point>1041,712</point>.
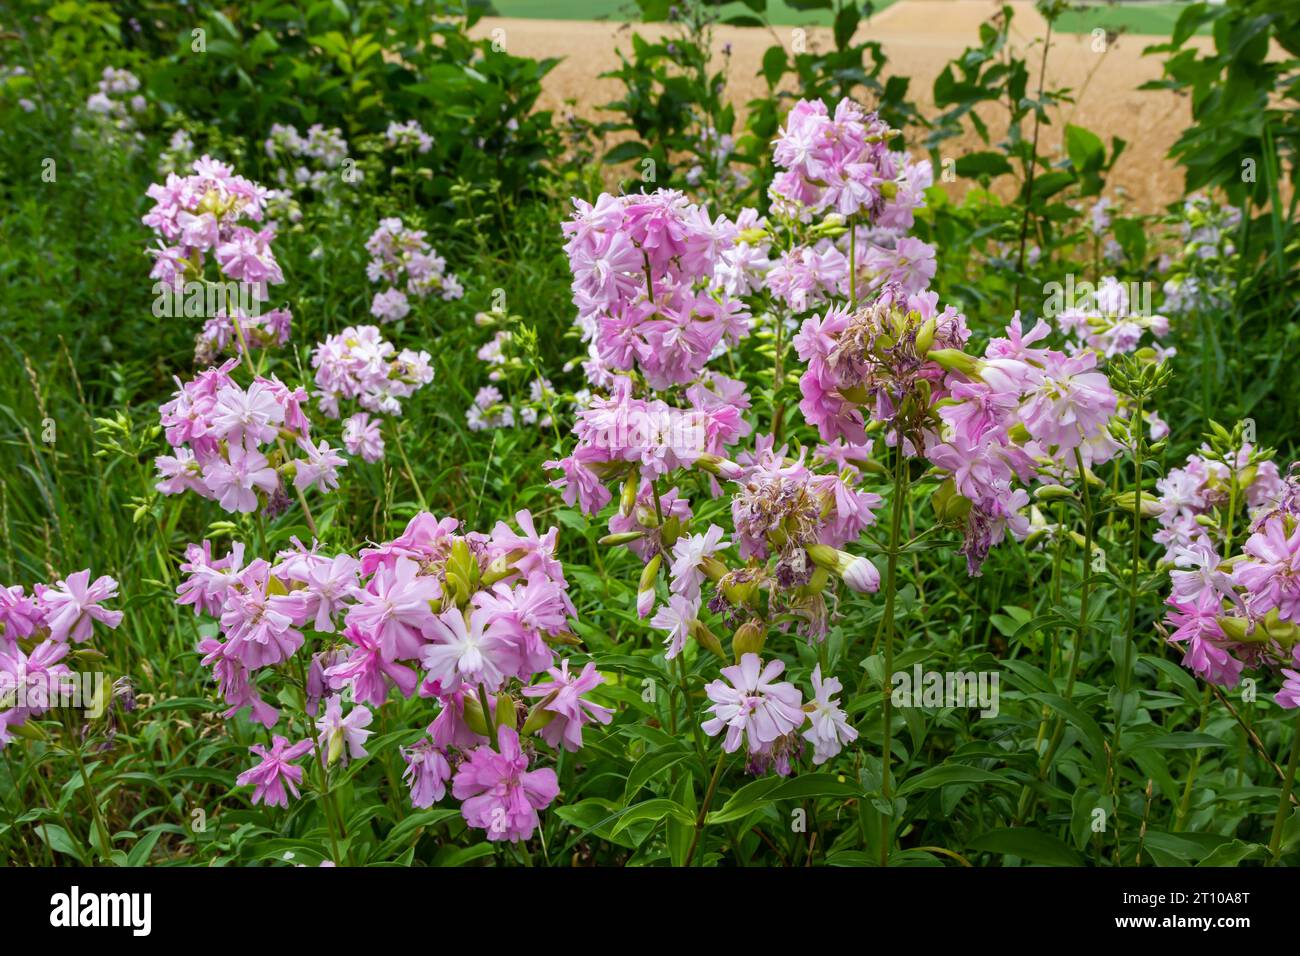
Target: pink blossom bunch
<point>765,716</point>
<point>1242,612</point>
<point>1022,412</point>
<point>642,268</point>
<point>622,436</point>
<point>116,97</point>
<point>489,410</point>
<point>789,527</point>
<point>233,444</point>
<point>203,214</point>
<point>403,258</point>
<point>840,163</point>
<point>464,618</point>
<point>1189,495</point>
<point>1111,324</point>
<point>408,136</point>
<point>808,275</point>
<point>263,331</point>
<point>36,634</point>
<point>324,147</point>
<point>863,363</point>
<point>360,364</point>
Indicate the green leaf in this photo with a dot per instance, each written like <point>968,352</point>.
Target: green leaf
<point>949,774</point>
<point>987,163</point>
<point>1028,844</point>
<point>60,841</point>
<point>653,810</point>
<point>772,789</point>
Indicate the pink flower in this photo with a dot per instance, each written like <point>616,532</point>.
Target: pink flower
<point>689,554</point>
<point>427,773</point>
<point>396,609</point>
<point>677,617</point>
<point>1289,694</point>
<point>390,305</point>
<point>1272,577</point>
<point>498,792</point>
<point>19,614</point>
<point>361,436</point>
<point>72,606</point>
<point>369,671</point>
<point>319,468</point>
<point>330,584</point>
<point>752,706</point>
<point>1066,403</point>
<point>829,729</point>
<point>234,483</point>
<point>469,652</point>
<point>30,683</point>
<point>275,773</point>
<point>251,415</point>
<point>528,551</point>
<point>563,697</point>
<point>343,736</point>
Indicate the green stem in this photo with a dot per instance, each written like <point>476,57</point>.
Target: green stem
<point>406,466</point>
<point>704,807</point>
<point>318,758</point>
<point>101,829</point>
<point>891,580</point>
<point>1058,731</point>
<point>1284,802</point>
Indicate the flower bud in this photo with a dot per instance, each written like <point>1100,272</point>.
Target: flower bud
<point>717,465</point>
<point>1053,493</point>
<point>335,748</point>
<point>950,506</point>
<point>539,716</point>
<point>645,592</point>
<point>671,530</point>
<point>630,487</point>
<point>713,568</point>
<point>858,573</point>
<point>505,710</point>
<point>925,336</point>
<point>955,360</point>
<point>621,537</point>
<point>1236,628</point>
<point>473,712</point>
<point>707,639</point>
<point>748,639</point>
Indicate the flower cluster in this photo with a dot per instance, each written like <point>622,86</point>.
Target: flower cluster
<point>1023,410</point>
<point>203,214</point>
<point>1239,611</point>
<point>360,364</point>
<point>625,438</point>
<point>1110,323</point>
<point>765,714</point>
<point>117,98</point>
<point>839,163</point>
<point>396,251</point>
<point>407,136</point>
<point>322,146</point>
<point>36,634</point>
<point>466,619</point>
<point>867,362</point>
<point>642,269</point>
<point>1190,496</point>
<point>220,335</point>
<point>229,442</point>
